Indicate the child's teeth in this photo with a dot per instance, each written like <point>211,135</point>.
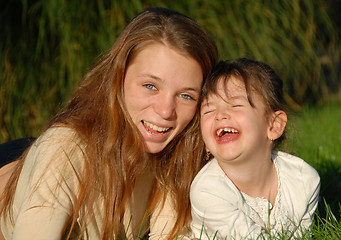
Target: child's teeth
<point>229,130</point>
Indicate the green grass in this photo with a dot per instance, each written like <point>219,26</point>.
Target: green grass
<point>327,228</point>
<point>314,134</point>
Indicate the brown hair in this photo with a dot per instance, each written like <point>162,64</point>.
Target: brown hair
<point>98,115</point>
<point>257,76</point>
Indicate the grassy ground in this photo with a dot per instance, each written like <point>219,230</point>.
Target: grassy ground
<point>315,135</point>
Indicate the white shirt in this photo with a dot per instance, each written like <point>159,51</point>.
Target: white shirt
<point>219,208</point>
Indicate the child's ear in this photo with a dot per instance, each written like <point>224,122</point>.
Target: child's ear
<point>278,121</point>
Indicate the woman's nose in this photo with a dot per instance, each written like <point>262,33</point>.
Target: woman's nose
<point>165,107</point>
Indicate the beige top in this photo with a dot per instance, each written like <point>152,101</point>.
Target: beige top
<point>52,164</point>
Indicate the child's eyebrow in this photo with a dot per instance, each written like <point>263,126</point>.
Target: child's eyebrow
<point>205,103</point>
<point>238,97</point>
<point>205,107</point>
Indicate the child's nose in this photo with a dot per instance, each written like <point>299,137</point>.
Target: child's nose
<point>222,115</point>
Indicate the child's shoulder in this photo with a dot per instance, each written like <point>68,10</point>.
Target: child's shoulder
<point>212,179</point>
<point>209,171</point>
<point>294,169</point>
<point>293,164</point>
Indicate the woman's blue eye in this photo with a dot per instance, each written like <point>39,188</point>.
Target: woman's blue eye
<point>150,86</point>
<point>186,96</point>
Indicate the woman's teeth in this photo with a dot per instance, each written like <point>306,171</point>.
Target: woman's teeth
<point>155,128</point>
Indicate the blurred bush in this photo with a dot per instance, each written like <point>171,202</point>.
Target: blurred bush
<point>47,46</point>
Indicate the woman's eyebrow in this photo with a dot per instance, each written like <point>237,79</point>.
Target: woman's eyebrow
<point>192,89</point>
<point>152,76</point>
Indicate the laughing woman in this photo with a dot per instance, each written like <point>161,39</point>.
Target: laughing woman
<point>126,147</point>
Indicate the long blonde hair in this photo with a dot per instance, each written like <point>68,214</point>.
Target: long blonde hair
<point>114,152</point>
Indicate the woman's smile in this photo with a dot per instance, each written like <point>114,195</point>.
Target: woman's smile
<point>161,92</point>
<point>154,129</point>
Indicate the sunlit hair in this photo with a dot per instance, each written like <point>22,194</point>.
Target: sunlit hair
<point>114,153</point>
<point>257,77</point>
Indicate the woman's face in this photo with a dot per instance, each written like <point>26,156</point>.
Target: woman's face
<point>161,91</point>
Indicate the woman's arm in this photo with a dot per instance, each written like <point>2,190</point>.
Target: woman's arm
<point>46,186</point>
<point>5,173</point>
<point>163,220</point>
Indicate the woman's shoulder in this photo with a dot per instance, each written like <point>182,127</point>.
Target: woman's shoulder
<point>67,134</point>
<point>56,146</point>
<point>58,138</point>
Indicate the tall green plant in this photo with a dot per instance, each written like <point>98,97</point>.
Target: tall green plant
<point>292,36</point>
<point>47,46</point>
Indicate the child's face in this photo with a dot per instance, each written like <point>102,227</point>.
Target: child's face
<point>232,129</point>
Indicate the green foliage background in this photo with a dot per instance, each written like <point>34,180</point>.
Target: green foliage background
<point>47,46</point>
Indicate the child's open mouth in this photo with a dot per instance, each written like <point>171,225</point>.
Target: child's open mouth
<point>227,134</point>
<point>222,131</point>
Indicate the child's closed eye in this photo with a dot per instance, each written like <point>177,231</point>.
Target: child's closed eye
<point>207,112</point>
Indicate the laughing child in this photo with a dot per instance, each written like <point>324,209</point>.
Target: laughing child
<point>248,189</point>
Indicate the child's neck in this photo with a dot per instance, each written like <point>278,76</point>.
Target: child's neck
<point>255,178</point>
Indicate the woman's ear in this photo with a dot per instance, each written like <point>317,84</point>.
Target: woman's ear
<point>278,121</point>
